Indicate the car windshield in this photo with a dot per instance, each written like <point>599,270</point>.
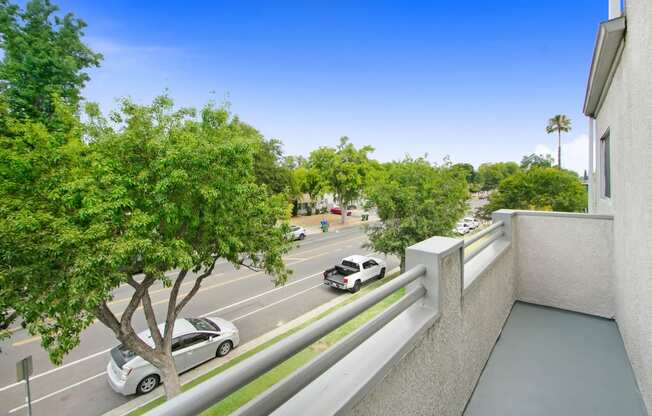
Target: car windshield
<point>203,324</point>
<point>294,228</point>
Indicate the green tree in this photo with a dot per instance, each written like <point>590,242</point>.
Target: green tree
<point>270,165</point>
<point>492,173</point>
<point>467,170</point>
<point>34,166</point>
<point>44,60</point>
<point>536,161</point>
<point>545,189</point>
<point>309,181</point>
<point>559,124</point>
<point>151,191</point>
<point>415,201</point>
<point>343,169</point>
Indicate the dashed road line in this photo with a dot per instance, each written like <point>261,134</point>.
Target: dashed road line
<point>54,393</point>
<point>277,302</point>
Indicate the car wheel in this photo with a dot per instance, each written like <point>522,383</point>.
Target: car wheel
<point>224,348</point>
<point>148,384</point>
<point>302,236</point>
<point>382,273</point>
<point>356,287</point>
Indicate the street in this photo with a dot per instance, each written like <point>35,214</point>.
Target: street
<point>248,298</point>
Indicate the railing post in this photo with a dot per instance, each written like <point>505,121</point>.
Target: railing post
<point>431,253</point>
<point>507,217</point>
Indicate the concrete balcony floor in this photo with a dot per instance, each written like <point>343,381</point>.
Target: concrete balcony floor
<point>555,362</point>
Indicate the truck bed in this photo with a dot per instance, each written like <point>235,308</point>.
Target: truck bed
<point>337,278</point>
<point>336,275</point>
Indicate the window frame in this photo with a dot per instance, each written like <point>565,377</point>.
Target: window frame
<point>605,165</point>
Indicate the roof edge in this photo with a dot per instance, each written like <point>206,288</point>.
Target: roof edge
<point>610,34</point>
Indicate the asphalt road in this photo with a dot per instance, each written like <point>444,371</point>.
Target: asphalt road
<point>249,299</point>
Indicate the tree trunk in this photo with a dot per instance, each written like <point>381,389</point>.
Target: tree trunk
<point>343,216</point>
<point>403,262</point>
<point>559,150</point>
<point>170,378</point>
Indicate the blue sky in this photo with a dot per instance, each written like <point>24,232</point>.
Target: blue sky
<point>474,80</point>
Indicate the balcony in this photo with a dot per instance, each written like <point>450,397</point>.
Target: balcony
<point>542,280</point>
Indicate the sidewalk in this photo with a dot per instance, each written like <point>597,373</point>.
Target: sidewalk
<point>312,222</point>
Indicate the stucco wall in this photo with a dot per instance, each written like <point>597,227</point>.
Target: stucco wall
<point>439,374</point>
<point>565,261</point>
<point>627,113</point>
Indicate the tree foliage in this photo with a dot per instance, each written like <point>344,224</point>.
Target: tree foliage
<point>467,171</point>
<point>342,170</point>
<point>536,161</point>
<point>492,173</point>
<point>545,189</point>
<point>151,190</point>
<point>309,181</point>
<point>415,201</point>
<point>44,60</point>
<point>271,167</point>
<point>36,166</point>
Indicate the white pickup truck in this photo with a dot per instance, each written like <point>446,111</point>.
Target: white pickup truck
<point>353,271</point>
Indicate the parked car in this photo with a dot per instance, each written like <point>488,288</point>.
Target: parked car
<point>471,222</point>
<point>194,341</point>
<point>338,211</point>
<point>462,228</point>
<point>297,233</point>
<point>353,271</point>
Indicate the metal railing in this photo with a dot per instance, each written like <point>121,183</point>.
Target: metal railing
<point>492,233</point>
<point>219,387</point>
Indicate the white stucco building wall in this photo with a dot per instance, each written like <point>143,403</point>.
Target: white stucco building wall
<point>624,111</point>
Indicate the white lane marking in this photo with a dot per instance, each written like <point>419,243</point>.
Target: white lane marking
<point>57,369</point>
<point>206,314</point>
<point>47,396</point>
<point>259,295</point>
<point>277,302</point>
<point>334,236</point>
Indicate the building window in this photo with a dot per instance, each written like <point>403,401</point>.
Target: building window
<point>605,156</point>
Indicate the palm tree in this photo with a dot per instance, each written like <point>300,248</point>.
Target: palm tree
<point>559,123</point>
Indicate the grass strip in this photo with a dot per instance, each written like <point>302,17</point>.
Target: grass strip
<point>265,381</point>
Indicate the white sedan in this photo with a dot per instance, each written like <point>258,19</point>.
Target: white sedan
<point>297,233</point>
<point>194,341</point>
<point>462,228</point>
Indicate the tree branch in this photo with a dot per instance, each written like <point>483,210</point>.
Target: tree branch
<point>107,317</point>
<point>170,316</point>
<point>195,287</point>
<point>250,267</point>
<point>126,335</point>
<point>132,282</point>
<point>141,289</point>
<point>150,317</point>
